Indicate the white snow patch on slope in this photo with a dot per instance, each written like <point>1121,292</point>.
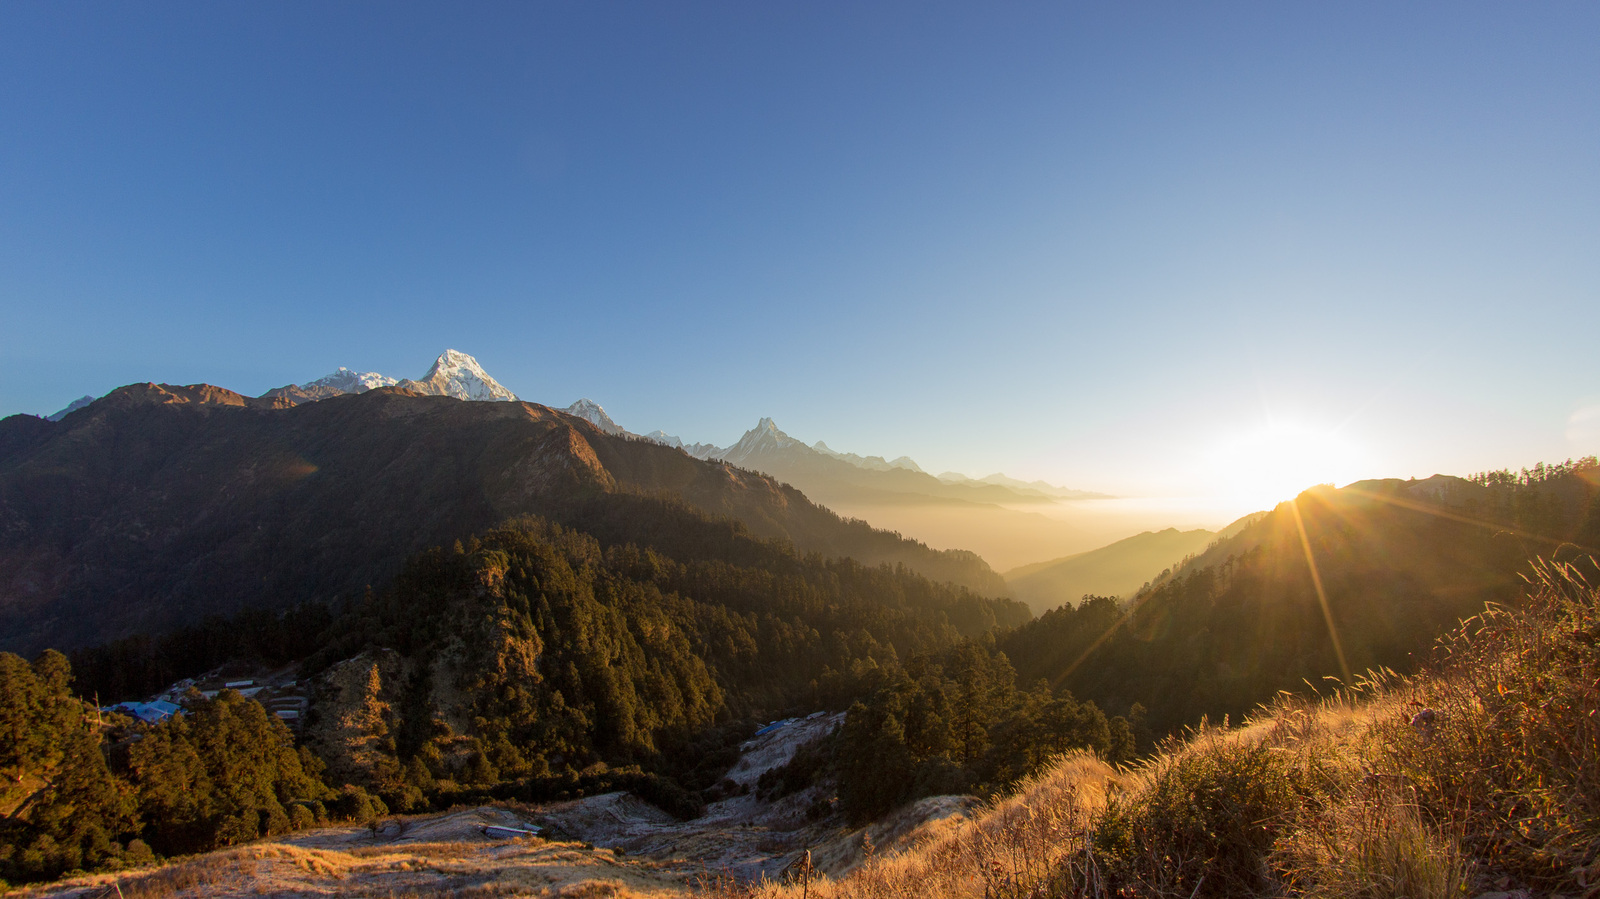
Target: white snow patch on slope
<point>348,381</point>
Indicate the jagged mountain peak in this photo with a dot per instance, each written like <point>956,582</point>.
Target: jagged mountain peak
<point>454,373</point>
<point>697,450</point>
<point>459,375</point>
<point>591,412</point>
<point>74,406</point>
<point>765,437</point>
<point>906,462</point>
<point>347,381</point>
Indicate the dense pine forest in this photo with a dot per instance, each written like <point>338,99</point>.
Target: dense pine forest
<point>85,791</point>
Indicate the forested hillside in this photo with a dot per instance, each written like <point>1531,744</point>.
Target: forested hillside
<point>157,506</point>
<point>81,791</point>
<point>1399,562</point>
<point>528,661</point>
<point>535,650</point>
<point>535,660</point>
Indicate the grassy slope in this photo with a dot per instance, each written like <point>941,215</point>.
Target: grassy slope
<point>1483,772</point>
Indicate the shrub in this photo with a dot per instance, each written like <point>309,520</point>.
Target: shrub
<point>1375,846</point>
<point>357,805</point>
<point>1205,826</point>
<point>301,817</point>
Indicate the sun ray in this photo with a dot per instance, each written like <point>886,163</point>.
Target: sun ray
<point>1322,595</point>
<point>1127,613</point>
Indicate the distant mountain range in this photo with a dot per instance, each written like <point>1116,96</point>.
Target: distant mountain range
<point>768,449</point>
<point>764,448</point>
<point>997,516</point>
<point>159,505</point>
<point>846,478</point>
<point>452,374</point>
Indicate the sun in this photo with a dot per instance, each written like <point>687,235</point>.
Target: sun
<point>1259,468</point>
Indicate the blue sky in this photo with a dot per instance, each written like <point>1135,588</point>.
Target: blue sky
<point>1107,245</point>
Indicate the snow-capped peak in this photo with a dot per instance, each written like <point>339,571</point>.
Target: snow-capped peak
<point>665,439</point>
<point>459,375</point>
<point>763,438</point>
<point>697,450</point>
<point>347,381</point>
<point>590,411</point>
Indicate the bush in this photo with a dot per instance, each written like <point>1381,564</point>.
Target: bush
<point>138,854</point>
<point>1207,824</point>
<point>356,805</point>
<point>300,817</point>
<point>1374,845</point>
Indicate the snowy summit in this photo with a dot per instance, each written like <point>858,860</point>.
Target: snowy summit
<point>763,438</point>
<point>459,375</point>
<point>590,411</point>
<point>346,381</point>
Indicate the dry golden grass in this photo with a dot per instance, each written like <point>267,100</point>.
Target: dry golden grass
<point>446,869</point>
<point>1413,787</point>
<point>1017,841</point>
<point>1511,752</point>
<point>1485,771</point>
<point>1361,839</point>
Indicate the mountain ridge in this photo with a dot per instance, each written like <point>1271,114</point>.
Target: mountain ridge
<point>768,449</point>
<point>992,514</point>
<point>210,500</point>
<point>1117,569</point>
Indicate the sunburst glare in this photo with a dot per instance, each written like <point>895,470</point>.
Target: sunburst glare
<point>1260,468</point>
